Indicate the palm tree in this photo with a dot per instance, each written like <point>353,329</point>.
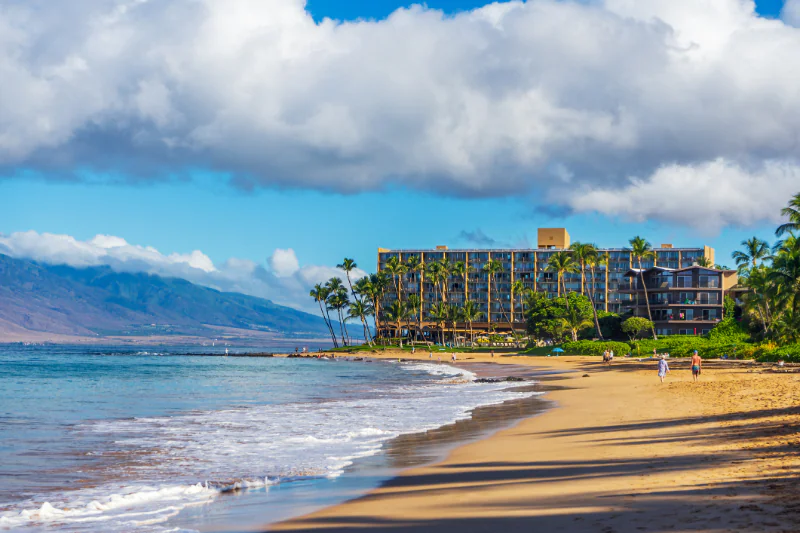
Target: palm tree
<point>492,267</point>
<point>704,262</point>
<point>574,321</point>
<point>792,212</point>
<point>375,290</point>
<point>591,262</point>
<point>604,260</point>
<point>755,300</point>
<point>320,294</point>
<point>470,313</point>
<point>562,263</point>
<point>641,249</point>
<point>361,310</point>
<point>438,315</point>
<point>582,251</point>
<point>462,269</point>
<point>396,269</point>
<point>397,313</point>
<point>348,265</point>
<point>445,271</point>
<point>416,265</point>
<point>338,300</point>
<point>754,250</point>
<point>415,311</point>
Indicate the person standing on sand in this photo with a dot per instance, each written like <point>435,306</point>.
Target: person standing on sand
<point>697,364</point>
<point>492,354</point>
<point>430,355</point>
<point>663,369</point>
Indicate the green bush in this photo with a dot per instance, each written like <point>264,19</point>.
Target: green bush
<point>729,330</point>
<point>595,347</point>
<point>789,353</point>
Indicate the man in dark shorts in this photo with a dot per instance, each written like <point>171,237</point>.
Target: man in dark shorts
<point>697,364</point>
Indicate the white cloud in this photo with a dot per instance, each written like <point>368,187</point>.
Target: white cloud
<point>791,12</point>
<point>508,99</point>
<point>284,262</point>
<point>709,195</point>
<point>288,284</point>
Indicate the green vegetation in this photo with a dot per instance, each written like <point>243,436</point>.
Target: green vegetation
<point>635,325</point>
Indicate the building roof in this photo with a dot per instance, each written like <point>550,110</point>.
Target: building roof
<point>636,271</point>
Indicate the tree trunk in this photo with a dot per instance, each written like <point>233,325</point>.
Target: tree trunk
<point>594,310</point>
<point>647,300</point>
<point>341,328</point>
<point>327,312</point>
<point>328,323</point>
<point>605,288</point>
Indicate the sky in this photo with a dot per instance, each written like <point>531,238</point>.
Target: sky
<point>254,146</point>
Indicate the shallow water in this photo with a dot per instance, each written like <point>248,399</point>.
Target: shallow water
<point>125,440</point>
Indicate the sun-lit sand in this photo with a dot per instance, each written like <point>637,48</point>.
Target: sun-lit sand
<point>620,452</point>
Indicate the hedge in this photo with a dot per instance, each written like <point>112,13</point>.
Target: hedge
<point>595,347</point>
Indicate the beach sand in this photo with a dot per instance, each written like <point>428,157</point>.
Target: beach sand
<point>620,452</point>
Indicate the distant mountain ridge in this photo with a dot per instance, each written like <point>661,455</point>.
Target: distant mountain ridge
<point>99,301</point>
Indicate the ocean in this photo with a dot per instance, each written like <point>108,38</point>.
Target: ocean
<point>138,439</point>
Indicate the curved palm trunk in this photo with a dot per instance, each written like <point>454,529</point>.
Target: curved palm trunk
<point>566,294</point>
<point>366,331</point>
<point>583,277</point>
<point>341,328</point>
<point>594,309</point>
<point>647,300</point>
<point>327,323</point>
<point>327,312</point>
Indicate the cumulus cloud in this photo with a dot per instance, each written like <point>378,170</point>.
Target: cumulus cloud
<point>284,262</point>
<point>286,282</point>
<point>709,195</point>
<point>512,98</point>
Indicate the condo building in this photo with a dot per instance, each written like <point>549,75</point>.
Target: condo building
<point>501,308</point>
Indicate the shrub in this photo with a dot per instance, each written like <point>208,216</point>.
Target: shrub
<point>728,330</point>
<point>595,347</point>
<point>789,353</point>
<point>635,325</point>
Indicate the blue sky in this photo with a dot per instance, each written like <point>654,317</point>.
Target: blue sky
<point>204,212</point>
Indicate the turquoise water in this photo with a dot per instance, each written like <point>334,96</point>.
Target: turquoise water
<point>104,439</point>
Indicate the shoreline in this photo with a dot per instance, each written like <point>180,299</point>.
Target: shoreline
<point>299,497</point>
<point>619,453</point>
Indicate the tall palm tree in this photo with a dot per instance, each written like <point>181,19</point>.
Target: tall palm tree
<point>361,310</point>
<point>591,262</point>
<point>348,265</point>
<point>641,249</point>
<point>470,313</point>
<point>461,269</point>
<point>338,301</point>
<point>754,250</point>
<point>562,263</point>
<point>397,313</point>
<point>492,267</point>
<point>604,260</point>
<point>756,298</point>
<point>438,315</point>
<point>582,251</point>
<point>396,269</point>
<point>320,294</point>
<point>378,283</point>
<point>792,212</point>
<point>417,265</point>
<point>415,311</point>
<point>445,272</point>
<point>433,269</point>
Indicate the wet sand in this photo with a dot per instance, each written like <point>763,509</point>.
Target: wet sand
<point>620,453</point>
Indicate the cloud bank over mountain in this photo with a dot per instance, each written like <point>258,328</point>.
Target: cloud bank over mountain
<point>286,282</point>
<point>587,105</point>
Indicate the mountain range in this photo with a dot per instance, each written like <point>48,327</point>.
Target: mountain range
<point>99,302</point>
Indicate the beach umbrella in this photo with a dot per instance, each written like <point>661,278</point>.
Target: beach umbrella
<point>558,350</point>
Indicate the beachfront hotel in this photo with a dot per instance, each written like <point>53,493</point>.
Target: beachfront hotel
<point>612,287</point>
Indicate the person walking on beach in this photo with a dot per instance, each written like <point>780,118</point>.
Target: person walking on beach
<point>697,364</point>
<point>492,354</point>
<point>430,355</point>
<point>663,369</point>
<point>454,357</point>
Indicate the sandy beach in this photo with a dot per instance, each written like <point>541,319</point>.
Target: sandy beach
<point>620,452</point>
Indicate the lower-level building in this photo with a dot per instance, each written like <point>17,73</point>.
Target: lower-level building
<point>685,301</point>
